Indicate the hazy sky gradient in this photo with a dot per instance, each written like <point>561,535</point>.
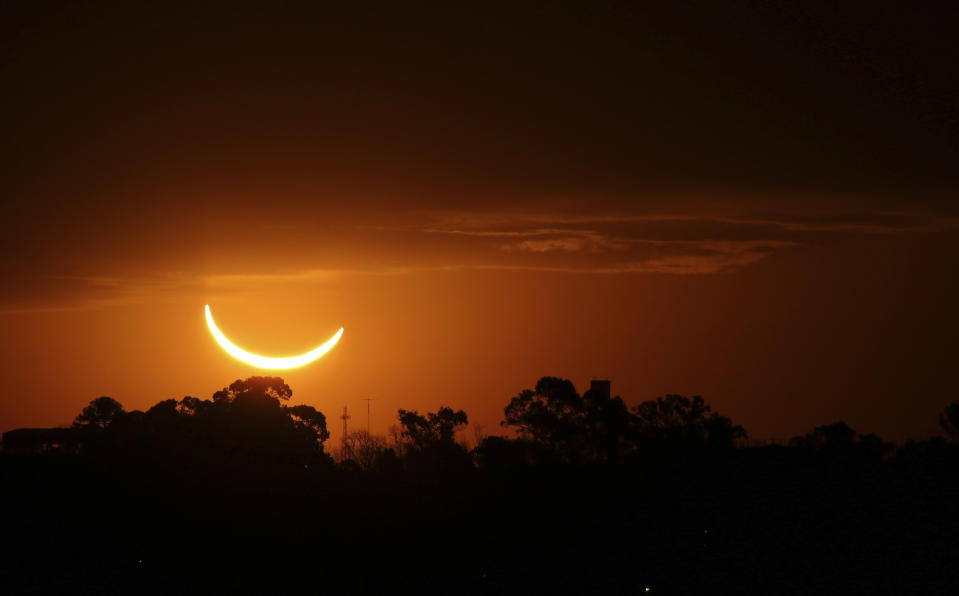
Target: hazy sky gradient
<point>750,203</point>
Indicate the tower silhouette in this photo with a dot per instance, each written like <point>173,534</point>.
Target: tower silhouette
<point>345,417</point>
<point>369,400</point>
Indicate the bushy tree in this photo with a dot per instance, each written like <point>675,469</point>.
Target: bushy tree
<point>168,408</point>
<point>840,439</point>
<point>190,406</point>
<point>828,437</point>
<point>550,414</point>
<point>438,427</point>
<point>429,441</point>
<point>101,413</point>
<point>675,421</point>
<point>607,426</point>
<point>309,420</point>
<point>269,388</point>
<point>246,421</point>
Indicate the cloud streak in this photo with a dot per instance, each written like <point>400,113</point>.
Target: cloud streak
<point>531,224</point>
<point>606,244</point>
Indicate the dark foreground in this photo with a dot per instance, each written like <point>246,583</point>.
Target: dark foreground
<point>238,495</point>
<point>771,520</point>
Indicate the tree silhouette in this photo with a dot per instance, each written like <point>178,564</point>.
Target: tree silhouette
<point>839,440</point>
<point>636,484</point>
<point>250,416</point>
<point>429,441</point>
<point>101,413</point>
<point>190,406</point>
<point>309,420</point>
<point>828,437</point>
<point>167,408</point>
<point>269,387</point>
<point>550,414</point>
<point>607,425</point>
<point>439,427</point>
<point>368,452</point>
<point>246,421</point>
<point>591,427</point>
<point>680,422</point>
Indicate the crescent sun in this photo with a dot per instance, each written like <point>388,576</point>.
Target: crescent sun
<point>265,361</point>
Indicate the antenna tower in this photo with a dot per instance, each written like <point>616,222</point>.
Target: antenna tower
<point>345,417</point>
<point>369,400</point>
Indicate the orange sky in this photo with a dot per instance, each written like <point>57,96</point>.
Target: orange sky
<point>718,203</point>
<point>782,325</point>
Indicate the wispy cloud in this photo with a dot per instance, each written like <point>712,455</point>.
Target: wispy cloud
<point>95,292</point>
<point>687,258</point>
<point>240,280</point>
<point>523,224</point>
<point>708,257</point>
<point>604,244</point>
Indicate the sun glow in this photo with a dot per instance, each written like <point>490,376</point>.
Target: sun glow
<point>265,361</point>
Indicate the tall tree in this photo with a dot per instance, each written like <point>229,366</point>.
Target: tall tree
<point>101,413</point>
<point>551,414</point>
<point>607,425</point>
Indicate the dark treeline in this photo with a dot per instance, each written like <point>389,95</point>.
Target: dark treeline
<point>240,494</point>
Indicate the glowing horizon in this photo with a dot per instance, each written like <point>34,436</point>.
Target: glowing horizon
<point>258,361</point>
